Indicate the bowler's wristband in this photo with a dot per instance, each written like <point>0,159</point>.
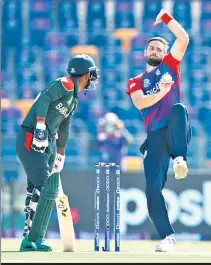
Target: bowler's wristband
<point>166,18</point>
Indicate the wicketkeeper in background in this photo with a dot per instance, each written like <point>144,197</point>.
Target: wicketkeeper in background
<point>41,142</point>
<point>113,138</point>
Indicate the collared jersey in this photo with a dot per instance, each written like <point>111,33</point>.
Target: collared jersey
<point>56,103</point>
<point>157,116</point>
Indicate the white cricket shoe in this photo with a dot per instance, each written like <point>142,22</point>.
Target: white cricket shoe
<point>166,245</point>
<point>180,168</point>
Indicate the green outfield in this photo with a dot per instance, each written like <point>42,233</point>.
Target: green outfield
<point>131,252</point>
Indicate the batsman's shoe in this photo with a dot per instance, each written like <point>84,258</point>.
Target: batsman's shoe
<point>42,245</point>
<point>27,245</point>
<point>180,168</point>
<point>166,245</point>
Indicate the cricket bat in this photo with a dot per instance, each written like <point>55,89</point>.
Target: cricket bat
<point>65,221</point>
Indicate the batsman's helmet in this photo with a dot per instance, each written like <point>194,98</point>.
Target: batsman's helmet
<point>82,64</point>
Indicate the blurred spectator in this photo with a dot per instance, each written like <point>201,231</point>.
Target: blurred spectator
<point>12,23</point>
<point>204,116</point>
<point>11,118</point>
<point>113,138</point>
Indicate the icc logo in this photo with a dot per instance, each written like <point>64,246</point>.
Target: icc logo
<point>41,135</point>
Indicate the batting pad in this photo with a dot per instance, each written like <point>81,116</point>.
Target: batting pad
<point>45,205</point>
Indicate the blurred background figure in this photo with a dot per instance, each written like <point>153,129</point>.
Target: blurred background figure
<point>113,139</point>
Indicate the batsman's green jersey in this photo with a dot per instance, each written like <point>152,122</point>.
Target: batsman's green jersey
<point>56,103</point>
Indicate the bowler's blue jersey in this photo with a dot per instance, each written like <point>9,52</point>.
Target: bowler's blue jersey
<point>157,116</point>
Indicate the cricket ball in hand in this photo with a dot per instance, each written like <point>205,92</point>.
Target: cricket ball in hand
<point>166,78</point>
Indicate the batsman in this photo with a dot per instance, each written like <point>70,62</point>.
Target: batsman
<point>41,142</point>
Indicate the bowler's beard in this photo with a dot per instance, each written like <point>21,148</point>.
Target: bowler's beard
<point>153,61</point>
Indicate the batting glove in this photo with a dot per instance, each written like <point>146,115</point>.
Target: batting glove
<point>40,138</point>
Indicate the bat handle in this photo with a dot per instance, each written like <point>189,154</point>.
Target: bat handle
<point>61,192</point>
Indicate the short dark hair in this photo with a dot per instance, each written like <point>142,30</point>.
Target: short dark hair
<point>166,44</point>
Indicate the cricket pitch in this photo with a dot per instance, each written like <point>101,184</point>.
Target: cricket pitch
<point>131,252</point>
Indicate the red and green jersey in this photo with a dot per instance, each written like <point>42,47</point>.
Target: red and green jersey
<point>56,103</point>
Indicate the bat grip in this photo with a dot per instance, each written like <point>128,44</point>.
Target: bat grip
<point>61,192</point>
